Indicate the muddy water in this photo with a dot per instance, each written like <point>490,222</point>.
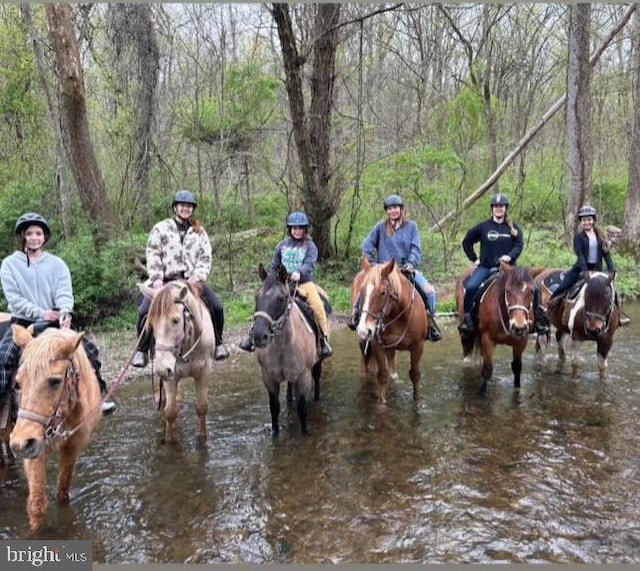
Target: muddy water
<point>545,474</point>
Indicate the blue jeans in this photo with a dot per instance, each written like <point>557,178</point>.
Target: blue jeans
<point>480,274</point>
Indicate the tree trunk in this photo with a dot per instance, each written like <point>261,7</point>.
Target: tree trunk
<point>74,123</point>
<point>63,174</point>
<point>312,132</point>
<point>579,113</point>
<point>631,230</point>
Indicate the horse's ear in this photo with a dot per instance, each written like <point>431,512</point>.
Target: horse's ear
<point>366,264</point>
<point>147,291</point>
<point>70,344</point>
<point>388,268</point>
<point>505,267</point>
<point>21,336</point>
<point>262,273</point>
<point>182,294</point>
<point>283,275</point>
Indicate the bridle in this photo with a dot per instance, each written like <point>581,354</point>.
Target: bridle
<point>604,317</point>
<point>391,296</point>
<point>177,348</point>
<point>53,423</point>
<point>276,324</point>
<point>512,307</point>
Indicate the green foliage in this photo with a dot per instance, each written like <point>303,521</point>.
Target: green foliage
<point>245,106</point>
<point>609,198</point>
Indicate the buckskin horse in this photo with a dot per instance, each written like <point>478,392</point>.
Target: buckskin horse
<point>504,317</point>
<point>184,345</point>
<point>59,410</point>
<point>286,345</point>
<point>591,316</point>
<point>393,318</point>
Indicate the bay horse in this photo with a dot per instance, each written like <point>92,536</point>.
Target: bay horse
<point>393,318</point>
<point>60,407</point>
<point>286,345</point>
<point>592,316</point>
<point>504,317</point>
<point>184,346</point>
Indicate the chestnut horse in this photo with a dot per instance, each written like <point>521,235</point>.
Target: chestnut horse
<point>592,316</point>
<point>59,410</point>
<point>286,345</point>
<point>504,317</point>
<point>393,318</point>
<point>184,345</point>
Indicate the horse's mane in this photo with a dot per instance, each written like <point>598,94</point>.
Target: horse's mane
<point>374,277</point>
<point>517,276</point>
<point>162,306</point>
<point>597,287</point>
<point>37,355</point>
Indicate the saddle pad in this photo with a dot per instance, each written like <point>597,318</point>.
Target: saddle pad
<point>552,281</point>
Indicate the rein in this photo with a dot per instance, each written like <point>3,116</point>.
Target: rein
<point>177,347</point>
<point>509,308</point>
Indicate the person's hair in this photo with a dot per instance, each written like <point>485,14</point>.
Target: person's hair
<point>404,217</point>
<point>602,237</point>
<point>507,219</point>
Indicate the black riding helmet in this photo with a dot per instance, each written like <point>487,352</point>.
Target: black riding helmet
<point>499,200</point>
<point>33,219</point>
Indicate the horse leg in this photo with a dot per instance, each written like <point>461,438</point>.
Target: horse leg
<point>575,357</point>
<point>365,356</point>
<point>69,455</point>
<point>202,404</point>
<point>382,375</point>
<point>170,409</point>
<point>316,372</point>
<point>488,347</point>
<point>274,405</point>
<point>516,364</point>
<point>304,385</point>
<point>391,364</point>
<point>414,370</point>
<point>289,394</point>
<point>36,472</point>
<point>542,342</point>
<point>604,345</point>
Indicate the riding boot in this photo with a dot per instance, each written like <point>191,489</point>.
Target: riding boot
<point>140,359</point>
<point>220,353</point>
<point>433,334</point>
<point>325,348</point>
<point>353,321</point>
<point>467,325</point>
<point>107,406</point>
<point>247,344</point>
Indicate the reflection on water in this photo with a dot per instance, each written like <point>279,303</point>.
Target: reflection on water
<point>545,474</point>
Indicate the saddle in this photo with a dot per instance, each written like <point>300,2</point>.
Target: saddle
<point>552,281</point>
<point>301,301</point>
<point>484,286</point>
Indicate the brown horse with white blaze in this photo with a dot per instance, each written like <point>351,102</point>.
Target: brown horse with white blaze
<point>59,410</point>
<point>393,318</point>
<point>504,317</point>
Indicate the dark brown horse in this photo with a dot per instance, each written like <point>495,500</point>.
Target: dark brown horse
<point>591,316</point>
<point>393,318</point>
<point>286,345</point>
<point>504,317</point>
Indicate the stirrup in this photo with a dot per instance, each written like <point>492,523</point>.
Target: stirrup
<point>140,359</point>
<point>434,334</point>
<point>220,353</point>
<point>325,349</point>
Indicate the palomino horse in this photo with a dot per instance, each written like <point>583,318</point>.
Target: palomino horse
<point>286,345</point>
<point>504,317</point>
<point>184,345</point>
<point>592,316</point>
<point>393,318</point>
<point>59,410</point>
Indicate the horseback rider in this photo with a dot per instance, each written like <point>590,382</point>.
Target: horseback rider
<point>592,249</point>
<point>299,255</point>
<point>500,239</point>
<point>38,289</point>
<point>398,238</point>
<point>179,248</point>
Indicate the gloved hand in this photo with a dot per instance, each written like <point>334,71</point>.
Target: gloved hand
<point>157,284</point>
<point>295,276</point>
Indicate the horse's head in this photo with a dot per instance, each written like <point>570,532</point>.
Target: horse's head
<point>176,321</point>
<point>599,301</point>
<point>273,302</point>
<point>48,381</point>
<point>380,296</point>
<point>518,290</point>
